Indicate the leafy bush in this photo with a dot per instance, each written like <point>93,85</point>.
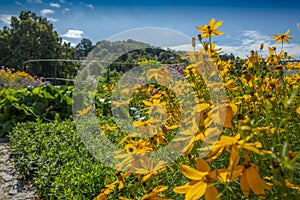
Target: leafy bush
<point>27,104</point>
<point>53,156</point>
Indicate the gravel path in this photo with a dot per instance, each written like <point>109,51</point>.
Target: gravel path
<point>13,186</point>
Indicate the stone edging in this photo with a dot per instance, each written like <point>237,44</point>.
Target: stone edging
<point>13,186</point>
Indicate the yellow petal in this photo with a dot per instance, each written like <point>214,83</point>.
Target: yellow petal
<point>217,32</point>
<point>183,189</point>
<point>215,153</point>
<point>196,191</point>
<point>188,148</point>
<point>298,110</point>
<point>228,117</point>
<point>147,103</point>
<point>212,22</point>
<point>227,140</point>
<point>202,28</point>
<point>254,180</point>
<point>101,196</point>
<point>227,175</point>
<point>234,157</point>
<point>218,24</point>
<point>203,106</point>
<point>287,32</point>
<point>291,185</point>
<point>121,185</point>
<point>211,193</point>
<point>244,185</point>
<point>159,189</point>
<point>145,178</point>
<point>172,127</point>
<point>278,41</point>
<point>202,165</point>
<point>286,40</point>
<point>252,146</point>
<point>234,108</point>
<point>192,173</point>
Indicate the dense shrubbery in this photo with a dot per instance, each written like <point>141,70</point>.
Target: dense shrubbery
<point>28,104</point>
<point>53,156</point>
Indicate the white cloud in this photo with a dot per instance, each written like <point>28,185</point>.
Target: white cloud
<point>66,10</point>
<point>75,34</point>
<point>247,41</point>
<point>47,12</point>
<point>251,40</point>
<point>62,1</point>
<point>55,5</point>
<point>183,47</point>
<point>18,3</point>
<point>90,6</point>
<point>6,18</point>
<point>67,41</point>
<point>52,19</point>
<point>36,1</point>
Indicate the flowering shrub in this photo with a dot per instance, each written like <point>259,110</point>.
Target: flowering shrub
<point>9,78</point>
<point>256,155</point>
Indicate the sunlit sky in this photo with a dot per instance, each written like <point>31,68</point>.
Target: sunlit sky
<point>246,23</point>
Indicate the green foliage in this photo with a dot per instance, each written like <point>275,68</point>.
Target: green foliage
<point>32,37</point>
<point>84,47</point>
<point>53,155</point>
<point>27,104</point>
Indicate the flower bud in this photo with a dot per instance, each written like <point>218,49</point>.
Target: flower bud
<point>200,37</point>
<point>261,46</point>
<point>193,42</point>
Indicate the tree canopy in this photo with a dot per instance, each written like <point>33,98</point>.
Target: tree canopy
<point>31,37</point>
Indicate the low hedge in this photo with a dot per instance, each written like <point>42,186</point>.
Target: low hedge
<point>54,158</point>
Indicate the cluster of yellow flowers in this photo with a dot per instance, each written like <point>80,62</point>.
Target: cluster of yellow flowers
<point>255,118</point>
<point>13,78</point>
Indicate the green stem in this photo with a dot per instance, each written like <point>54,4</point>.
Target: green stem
<point>209,41</point>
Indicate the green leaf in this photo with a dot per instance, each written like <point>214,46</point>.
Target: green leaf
<point>7,126</point>
<point>38,108</point>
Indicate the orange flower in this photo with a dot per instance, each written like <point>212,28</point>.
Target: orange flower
<point>250,179</point>
<point>201,183</point>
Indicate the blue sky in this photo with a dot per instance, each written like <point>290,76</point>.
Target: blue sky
<point>246,23</point>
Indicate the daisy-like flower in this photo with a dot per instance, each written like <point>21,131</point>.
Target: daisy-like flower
<point>284,37</point>
<point>201,183</point>
<point>250,179</point>
<point>210,29</point>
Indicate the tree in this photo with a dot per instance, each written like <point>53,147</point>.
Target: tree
<point>32,37</point>
<point>84,48</point>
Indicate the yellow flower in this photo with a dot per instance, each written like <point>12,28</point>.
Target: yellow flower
<point>251,179</point>
<point>234,170</point>
<point>226,142</point>
<point>289,184</point>
<point>210,29</point>
<point>283,37</point>
<point>298,110</point>
<point>108,189</point>
<point>201,182</point>
<point>153,194</point>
